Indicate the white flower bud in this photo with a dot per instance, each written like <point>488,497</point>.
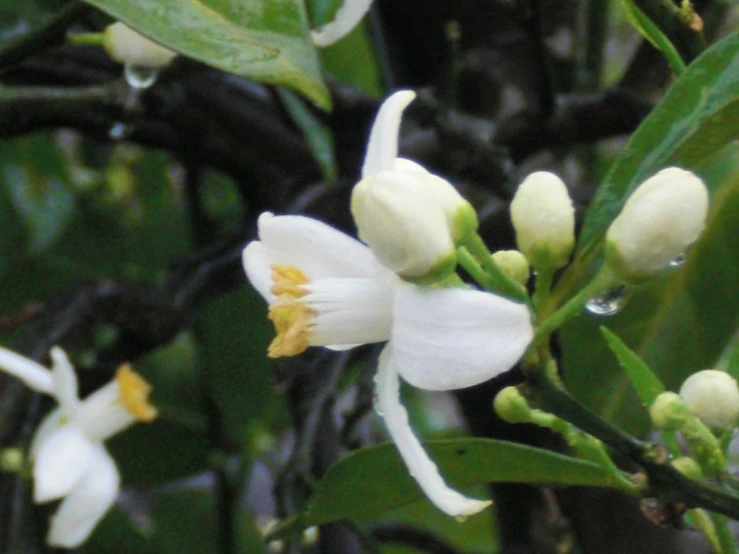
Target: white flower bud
<point>126,46</point>
<point>713,396</point>
<point>544,220</point>
<point>667,411</point>
<point>411,219</point>
<point>513,264</point>
<point>663,216</point>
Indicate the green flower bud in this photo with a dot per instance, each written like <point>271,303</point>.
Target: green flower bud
<point>713,396</point>
<point>668,411</point>
<point>663,216</point>
<point>513,264</point>
<point>688,467</point>
<point>511,406</point>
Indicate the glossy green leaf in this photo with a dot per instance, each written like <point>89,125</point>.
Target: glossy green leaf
<point>647,384</point>
<point>116,533</point>
<point>265,40</point>
<point>698,116</point>
<point>371,481</point>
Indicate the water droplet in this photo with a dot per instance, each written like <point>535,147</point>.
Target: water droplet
<point>610,302</point>
<point>119,131</point>
<point>140,77</point>
<point>678,260</point>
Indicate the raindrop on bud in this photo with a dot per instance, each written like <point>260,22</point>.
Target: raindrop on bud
<point>140,77</point>
<point>609,302</point>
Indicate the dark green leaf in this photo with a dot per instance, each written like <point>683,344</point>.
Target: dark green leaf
<point>265,40</point>
<point>371,481</point>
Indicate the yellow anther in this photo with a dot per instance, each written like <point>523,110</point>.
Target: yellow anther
<point>290,319</point>
<point>288,280</point>
<point>134,394</point>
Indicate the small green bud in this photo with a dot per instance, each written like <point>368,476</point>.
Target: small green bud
<point>688,467</point>
<point>11,460</point>
<point>513,264</point>
<point>668,411</point>
<point>511,406</point>
<point>713,396</point>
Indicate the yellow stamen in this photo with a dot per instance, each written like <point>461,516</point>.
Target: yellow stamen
<point>289,315</point>
<point>134,394</point>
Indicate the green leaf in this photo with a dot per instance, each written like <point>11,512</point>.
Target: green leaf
<point>698,116</point>
<point>316,133</point>
<point>647,384</point>
<point>264,40</point>
<point>116,533</point>
<point>369,482</point>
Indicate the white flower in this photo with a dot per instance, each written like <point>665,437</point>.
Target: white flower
<point>410,218</point>
<point>327,289</point>
<point>661,218</point>
<point>544,220</point>
<point>713,396</point>
<point>70,460</point>
<point>126,46</point>
<point>347,17</point>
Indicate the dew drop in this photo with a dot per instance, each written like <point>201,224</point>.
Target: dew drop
<point>140,77</point>
<point>119,131</point>
<point>678,260</point>
<point>608,303</point>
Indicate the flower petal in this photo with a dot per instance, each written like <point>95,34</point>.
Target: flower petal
<point>32,373</point>
<point>87,503</point>
<point>382,148</point>
<point>257,261</point>
<point>65,382</point>
<point>346,18</point>
<point>453,338</point>
<point>317,249</point>
<point>420,466</point>
<point>62,460</point>
<point>350,311</point>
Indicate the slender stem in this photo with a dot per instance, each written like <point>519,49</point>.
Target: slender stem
<point>542,287</point>
<point>500,281</point>
<point>470,265</point>
<point>86,39</point>
<point>601,282</point>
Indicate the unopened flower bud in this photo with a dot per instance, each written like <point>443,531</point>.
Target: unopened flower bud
<point>668,411</point>
<point>663,216</point>
<point>713,396</point>
<point>126,46</point>
<point>511,406</point>
<point>544,220</point>
<point>513,264</point>
<point>411,219</point>
<point>688,467</point>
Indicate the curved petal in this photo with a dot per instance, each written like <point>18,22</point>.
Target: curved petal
<point>32,373</point>
<point>317,249</point>
<point>350,311</point>
<point>453,338</point>
<point>257,261</point>
<point>62,460</point>
<point>347,17</point>
<point>48,426</point>
<point>87,504</point>
<point>382,147</point>
<point>420,466</point>
<point>65,382</point>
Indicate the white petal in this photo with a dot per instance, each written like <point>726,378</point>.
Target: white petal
<point>47,427</point>
<point>62,460</point>
<point>347,17</point>
<point>453,338</point>
<point>420,466</point>
<point>65,382</point>
<point>317,249</point>
<point>86,505</point>
<point>257,263</point>
<point>350,311</point>
<point>382,148</point>
<point>32,373</point>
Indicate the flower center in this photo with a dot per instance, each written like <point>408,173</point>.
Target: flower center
<point>134,394</point>
<point>288,313</point>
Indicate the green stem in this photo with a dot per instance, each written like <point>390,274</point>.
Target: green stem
<point>470,265</point>
<point>542,287</point>
<point>86,39</point>
<point>724,534</point>
<point>500,281</point>
<point>603,280</point>
<point>103,93</point>
<point>705,525</point>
